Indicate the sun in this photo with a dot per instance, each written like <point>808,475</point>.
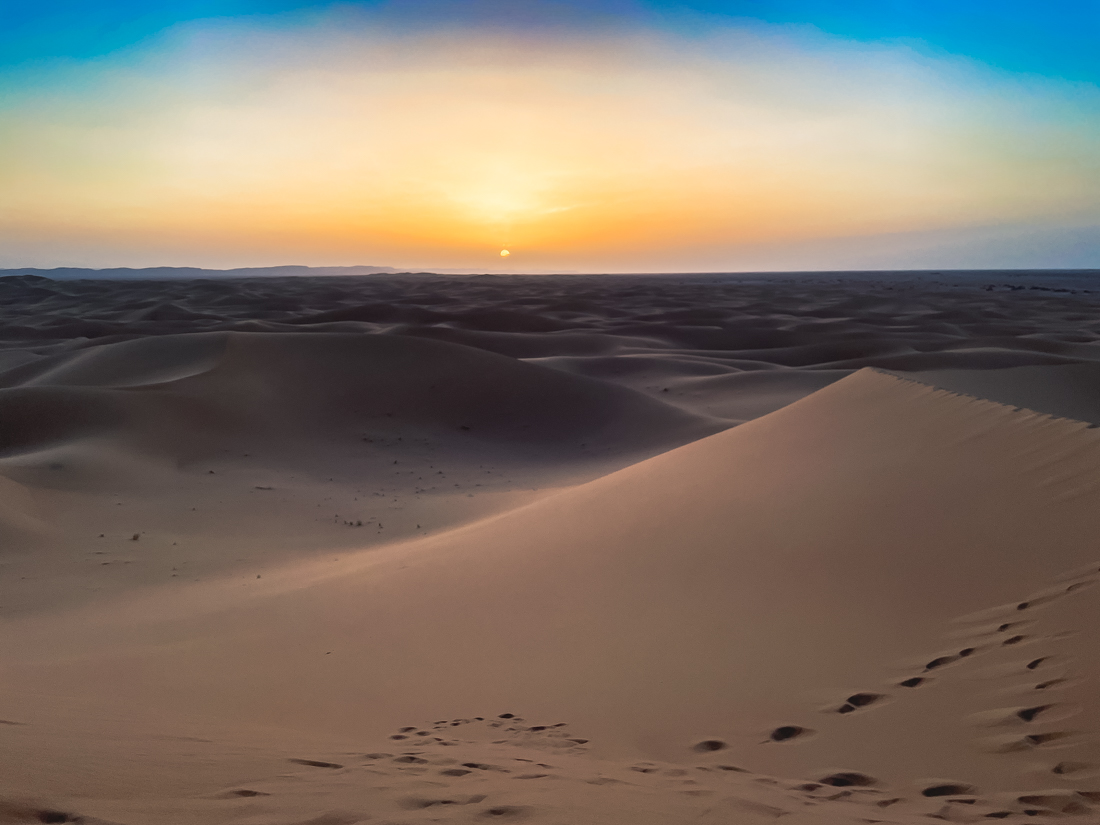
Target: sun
<point>504,253</point>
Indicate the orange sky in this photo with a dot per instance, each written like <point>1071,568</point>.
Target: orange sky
<point>232,145</point>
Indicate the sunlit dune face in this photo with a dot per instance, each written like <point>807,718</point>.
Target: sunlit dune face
<point>433,148</point>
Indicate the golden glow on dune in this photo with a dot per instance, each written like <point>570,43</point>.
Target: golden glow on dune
<point>435,149</point>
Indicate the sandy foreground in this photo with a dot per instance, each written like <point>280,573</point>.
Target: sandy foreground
<point>616,549</point>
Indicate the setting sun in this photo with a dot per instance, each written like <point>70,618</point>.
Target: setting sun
<point>504,253</point>
<point>339,136</point>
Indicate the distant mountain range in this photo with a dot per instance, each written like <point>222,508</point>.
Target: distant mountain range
<point>69,273</point>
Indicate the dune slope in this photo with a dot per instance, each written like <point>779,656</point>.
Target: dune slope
<point>894,581</point>
<point>179,456</point>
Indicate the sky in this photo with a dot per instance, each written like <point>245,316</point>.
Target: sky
<point>603,136</point>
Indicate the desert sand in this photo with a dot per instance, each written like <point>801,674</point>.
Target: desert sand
<point>558,549</point>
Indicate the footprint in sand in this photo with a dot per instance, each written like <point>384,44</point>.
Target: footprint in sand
<point>787,733</point>
<point>480,766</point>
<point>1076,770</point>
<point>947,789</point>
<point>1029,714</point>
<point>1015,743</point>
<point>914,681</point>
<point>996,628</point>
<point>709,746</point>
<point>1070,803</point>
<point>950,658</point>
<point>410,760</point>
<point>514,728</point>
<point>858,701</point>
<point>314,763</point>
<point>1087,572</point>
<point>1068,586</point>
<point>990,631</point>
<point>997,621</point>
<point>417,803</point>
<point>848,779</point>
<point>999,717</point>
<point>1073,588</point>
<point>1051,667</point>
<point>15,811</point>
<point>1035,664</point>
<point>511,813</point>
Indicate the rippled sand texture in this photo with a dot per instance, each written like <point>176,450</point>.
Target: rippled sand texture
<point>554,549</point>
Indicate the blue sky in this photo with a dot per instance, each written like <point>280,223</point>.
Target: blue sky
<point>1047,37</point>
<point>594,135</point>
<point>1055,38</point>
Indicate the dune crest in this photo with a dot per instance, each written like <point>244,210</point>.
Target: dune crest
<point>252,448</point>
<point>612,549</point>
<point>832,570</point>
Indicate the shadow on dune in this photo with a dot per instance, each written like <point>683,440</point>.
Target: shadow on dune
<point>185,395</point>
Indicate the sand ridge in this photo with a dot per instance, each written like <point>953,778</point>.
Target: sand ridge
<point>685,557</point>
<point>731,346</point>
<point>646,623</point>
<point>286,442</point>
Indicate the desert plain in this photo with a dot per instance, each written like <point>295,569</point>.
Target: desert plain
<point>409,548</point>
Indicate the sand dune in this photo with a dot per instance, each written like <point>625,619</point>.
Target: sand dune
<point>648,333</point>
<point>359,561</point>
<point>315,385</point>
<point>1067,391</point>
<point>278,443</point>
<point>681,601</point>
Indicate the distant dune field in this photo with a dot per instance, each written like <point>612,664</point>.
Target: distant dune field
<point>396,548</point>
